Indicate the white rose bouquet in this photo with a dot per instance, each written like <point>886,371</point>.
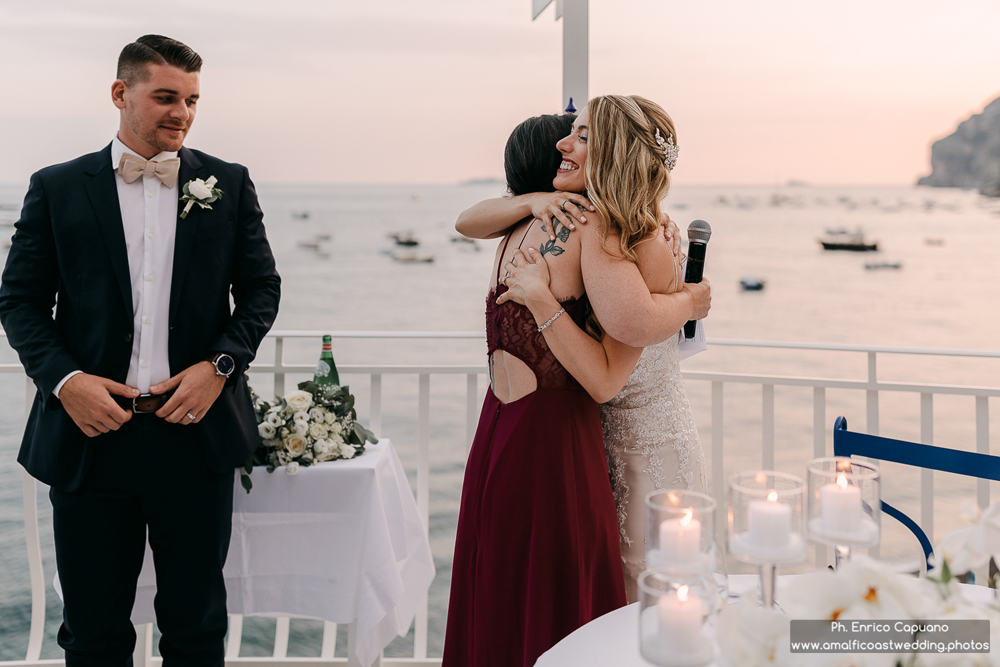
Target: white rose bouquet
<point>306,426</point>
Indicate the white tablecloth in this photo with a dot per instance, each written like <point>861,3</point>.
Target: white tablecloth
<point>613,639</point>
<point>341,541</point>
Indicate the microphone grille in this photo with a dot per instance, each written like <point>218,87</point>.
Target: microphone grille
<point>700,231</point>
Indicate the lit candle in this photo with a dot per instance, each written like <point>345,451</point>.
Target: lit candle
<point>840,506</point>
<point>769,523</point>
<point>680,621</point>
<point>680,539</point>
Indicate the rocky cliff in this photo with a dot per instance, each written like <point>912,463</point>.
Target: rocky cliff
<point>969,158</point>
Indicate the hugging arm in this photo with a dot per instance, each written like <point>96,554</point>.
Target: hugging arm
<point>492,218</point>
<point>601,367</point>
<point>623,304</point>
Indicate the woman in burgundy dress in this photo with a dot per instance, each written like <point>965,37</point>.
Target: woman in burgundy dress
<point>536,552</point>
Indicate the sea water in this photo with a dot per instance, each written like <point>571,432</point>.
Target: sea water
<point>334,252</point>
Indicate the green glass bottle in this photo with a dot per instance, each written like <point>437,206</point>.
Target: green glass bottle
<point>326,370</point>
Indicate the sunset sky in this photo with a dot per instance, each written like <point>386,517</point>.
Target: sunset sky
<point>408,91</point>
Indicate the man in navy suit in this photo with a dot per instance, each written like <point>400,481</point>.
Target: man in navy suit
<point>142,411</point>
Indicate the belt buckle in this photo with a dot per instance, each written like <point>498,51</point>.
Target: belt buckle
<point>135,404</point>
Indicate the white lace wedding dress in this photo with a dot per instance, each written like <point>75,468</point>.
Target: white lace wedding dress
<point>651,443</point>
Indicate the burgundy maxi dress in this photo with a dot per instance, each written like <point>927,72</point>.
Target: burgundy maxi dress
<point>537,552</point>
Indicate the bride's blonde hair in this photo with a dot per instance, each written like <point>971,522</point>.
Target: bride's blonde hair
<point>626,172</point>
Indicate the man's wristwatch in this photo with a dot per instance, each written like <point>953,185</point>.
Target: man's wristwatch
<point>224,364</point>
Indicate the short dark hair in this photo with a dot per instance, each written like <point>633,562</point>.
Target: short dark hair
<point>135,58</point>
<point>531,159</point>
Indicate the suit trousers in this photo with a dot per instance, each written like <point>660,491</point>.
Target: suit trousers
<point>147,476</point>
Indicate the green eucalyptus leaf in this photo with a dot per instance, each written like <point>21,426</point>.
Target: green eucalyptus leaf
<point>246,482</point>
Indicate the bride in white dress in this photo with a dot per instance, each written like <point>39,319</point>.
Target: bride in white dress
<point>649,430</point>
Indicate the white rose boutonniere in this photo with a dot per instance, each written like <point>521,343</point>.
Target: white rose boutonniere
<point>200,192</point>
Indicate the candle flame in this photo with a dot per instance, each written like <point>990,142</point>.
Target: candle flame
<point>682,593</point>
<point>772,497</point>
<point>687,517</point>
<point>842,481</point>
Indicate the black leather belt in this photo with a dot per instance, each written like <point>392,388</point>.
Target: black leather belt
<point>144,403</point>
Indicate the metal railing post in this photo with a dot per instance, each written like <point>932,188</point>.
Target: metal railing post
<point>927,476</point>
<point>279,364</point>
<point>375,418</point>
<point>767,426</point>
<point>471,408</point>
<point>423,502</point>
<point>983,446</point>
<point>36,572</point>
<point>872,395</point>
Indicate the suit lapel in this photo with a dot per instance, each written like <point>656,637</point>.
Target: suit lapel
<point>186,229</point>
<point>103,193</point>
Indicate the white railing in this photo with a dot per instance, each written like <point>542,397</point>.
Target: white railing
<point>822,426</point>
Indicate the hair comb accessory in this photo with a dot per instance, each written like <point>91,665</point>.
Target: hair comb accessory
<point>670,151</point>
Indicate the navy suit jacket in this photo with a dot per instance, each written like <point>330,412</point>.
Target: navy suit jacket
<point>68,251</point>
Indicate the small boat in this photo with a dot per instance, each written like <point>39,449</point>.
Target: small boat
<point>841,239</point>
<point>404,239</point>
<point>300,215</point>
<point>307,243</point>
<point>884,265</point>
<point>410,257</point>
<point>751,284</point>
<point>465,242</point>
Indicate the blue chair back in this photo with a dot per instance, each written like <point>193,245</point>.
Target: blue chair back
<point>971,464</point>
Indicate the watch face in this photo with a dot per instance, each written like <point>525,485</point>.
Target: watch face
<point>225,365</point>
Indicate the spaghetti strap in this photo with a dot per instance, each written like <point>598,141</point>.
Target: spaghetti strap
<point>503,252</point>
<point>526,232</point>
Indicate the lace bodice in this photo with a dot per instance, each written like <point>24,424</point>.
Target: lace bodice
<point>511,327</point>
<point>651,443</point>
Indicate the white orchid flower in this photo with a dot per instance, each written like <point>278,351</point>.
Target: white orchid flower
<point>971,546</point>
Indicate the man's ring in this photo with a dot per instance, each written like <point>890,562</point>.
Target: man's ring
<point>503,281</point>
<point>563,205</point>
<point>191,416</point>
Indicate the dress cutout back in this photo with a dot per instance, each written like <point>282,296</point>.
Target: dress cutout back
<point>512,328</point>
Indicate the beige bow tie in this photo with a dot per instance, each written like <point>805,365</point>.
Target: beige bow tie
<point>132,167</point>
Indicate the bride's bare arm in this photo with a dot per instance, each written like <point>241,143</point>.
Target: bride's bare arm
<point>601,367</point>
<point>493,218</point>
<point>622,302</point>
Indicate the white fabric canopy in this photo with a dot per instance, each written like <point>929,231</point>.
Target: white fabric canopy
<point>341,541</point>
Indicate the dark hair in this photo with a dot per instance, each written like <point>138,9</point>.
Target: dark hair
<point>530,159</point>
<point>135,58</point>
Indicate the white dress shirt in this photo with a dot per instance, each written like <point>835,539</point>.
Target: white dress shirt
<point>149,218</point>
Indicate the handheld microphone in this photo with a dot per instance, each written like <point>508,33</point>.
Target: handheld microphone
<point>699,232</point>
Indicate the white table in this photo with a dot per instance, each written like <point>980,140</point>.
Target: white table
<point>341,541</point>
<point>613,639</point>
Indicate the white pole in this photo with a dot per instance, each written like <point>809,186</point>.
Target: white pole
<point>576,52</point>
<point>576,47</point>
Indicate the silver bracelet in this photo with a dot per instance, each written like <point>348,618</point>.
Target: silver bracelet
<point>551,319</point>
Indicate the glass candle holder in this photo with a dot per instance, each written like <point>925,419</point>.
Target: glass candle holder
<point>680,532</point>
<point>766,522</point>
<point>766,518</point>
<point>676,619</point>
<point>844,508</point>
